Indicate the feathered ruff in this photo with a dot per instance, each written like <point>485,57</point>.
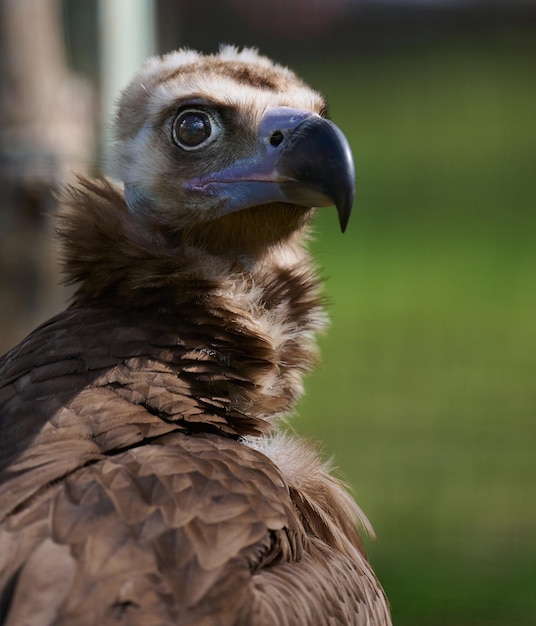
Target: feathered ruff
<point>155,344</point>
<point>252,321</point>
<point>112,254</point>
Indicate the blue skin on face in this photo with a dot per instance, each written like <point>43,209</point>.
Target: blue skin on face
<point>301,158</point>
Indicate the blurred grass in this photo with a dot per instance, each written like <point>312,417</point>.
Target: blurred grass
<point>426,393</point>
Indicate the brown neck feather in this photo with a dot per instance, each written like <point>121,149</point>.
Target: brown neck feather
<point>260,311</point>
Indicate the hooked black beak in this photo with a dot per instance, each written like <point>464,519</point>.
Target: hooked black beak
<point>318,157</point>
<point>300,158</point>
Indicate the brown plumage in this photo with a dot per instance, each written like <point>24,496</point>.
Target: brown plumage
<point>143,476</point>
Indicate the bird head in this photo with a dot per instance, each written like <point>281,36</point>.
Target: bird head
<point>230,148</point>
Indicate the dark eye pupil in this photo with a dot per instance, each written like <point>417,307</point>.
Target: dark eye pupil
<point>192,128</point>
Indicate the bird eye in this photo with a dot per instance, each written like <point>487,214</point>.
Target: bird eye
<point>192,128</point>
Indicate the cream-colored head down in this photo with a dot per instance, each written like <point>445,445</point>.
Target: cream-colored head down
<point>241,84</point>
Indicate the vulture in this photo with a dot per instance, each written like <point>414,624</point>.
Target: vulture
<point>146,476</point>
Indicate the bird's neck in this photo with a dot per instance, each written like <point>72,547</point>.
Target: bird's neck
<point>241,328</point>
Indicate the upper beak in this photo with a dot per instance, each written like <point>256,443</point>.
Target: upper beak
<point>300,158</point>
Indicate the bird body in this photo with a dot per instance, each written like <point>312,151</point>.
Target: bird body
<point>143,477</point>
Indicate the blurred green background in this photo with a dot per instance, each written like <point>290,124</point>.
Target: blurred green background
<point>426,392</point>
<point>426,395</point>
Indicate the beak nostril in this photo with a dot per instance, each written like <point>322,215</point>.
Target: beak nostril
<point>276,138</point>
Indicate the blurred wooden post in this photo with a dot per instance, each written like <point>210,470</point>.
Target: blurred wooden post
<point>46,130</point>
<point>127,37</point>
